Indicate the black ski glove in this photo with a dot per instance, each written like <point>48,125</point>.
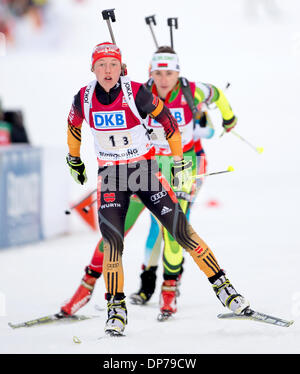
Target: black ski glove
<point>77,169</point>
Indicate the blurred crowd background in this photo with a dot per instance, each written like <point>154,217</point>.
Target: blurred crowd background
<point>14,11</point>
<point>33,17</point>
<point>36,13</point>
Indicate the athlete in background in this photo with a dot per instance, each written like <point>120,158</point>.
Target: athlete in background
<point>166,83</point>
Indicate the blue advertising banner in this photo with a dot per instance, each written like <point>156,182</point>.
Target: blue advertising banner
<point>20,195</point>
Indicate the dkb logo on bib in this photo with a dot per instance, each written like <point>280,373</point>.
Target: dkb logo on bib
<point>110,120</point>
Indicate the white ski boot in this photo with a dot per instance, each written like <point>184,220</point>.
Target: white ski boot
<point>228,296</point>
<point>117,316</point>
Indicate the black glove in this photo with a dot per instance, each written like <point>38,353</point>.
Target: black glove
<point>181,173</point>
<point>77,169</point>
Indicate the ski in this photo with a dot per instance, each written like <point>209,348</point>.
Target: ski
<point>253,315</point>
<point>57,317</point>
<point>164,316</point>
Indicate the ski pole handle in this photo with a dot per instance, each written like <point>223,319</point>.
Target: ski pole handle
<point>109,14</point>
<point>150,19</point>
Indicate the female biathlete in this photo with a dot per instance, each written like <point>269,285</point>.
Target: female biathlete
<point>115,109</point>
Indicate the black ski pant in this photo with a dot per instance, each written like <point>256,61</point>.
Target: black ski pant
<point>116,183</point>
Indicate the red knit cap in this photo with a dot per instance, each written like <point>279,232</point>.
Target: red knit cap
<point>107,49</point>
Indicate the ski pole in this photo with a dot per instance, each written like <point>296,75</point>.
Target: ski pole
<point>149,20</point>
<point>229,169</point>
<point>172,22</point>
<point>80,202</point>
<point>257,149</point>
<point>108,14</point>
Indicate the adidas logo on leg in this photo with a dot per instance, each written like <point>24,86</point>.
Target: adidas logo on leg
<point>165,210</point>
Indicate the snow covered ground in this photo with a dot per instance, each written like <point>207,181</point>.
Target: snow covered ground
<point>253,231</point>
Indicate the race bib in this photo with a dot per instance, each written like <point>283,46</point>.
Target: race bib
<point>114,140</point>
<point>159,133</point>
<point>177,113</point>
